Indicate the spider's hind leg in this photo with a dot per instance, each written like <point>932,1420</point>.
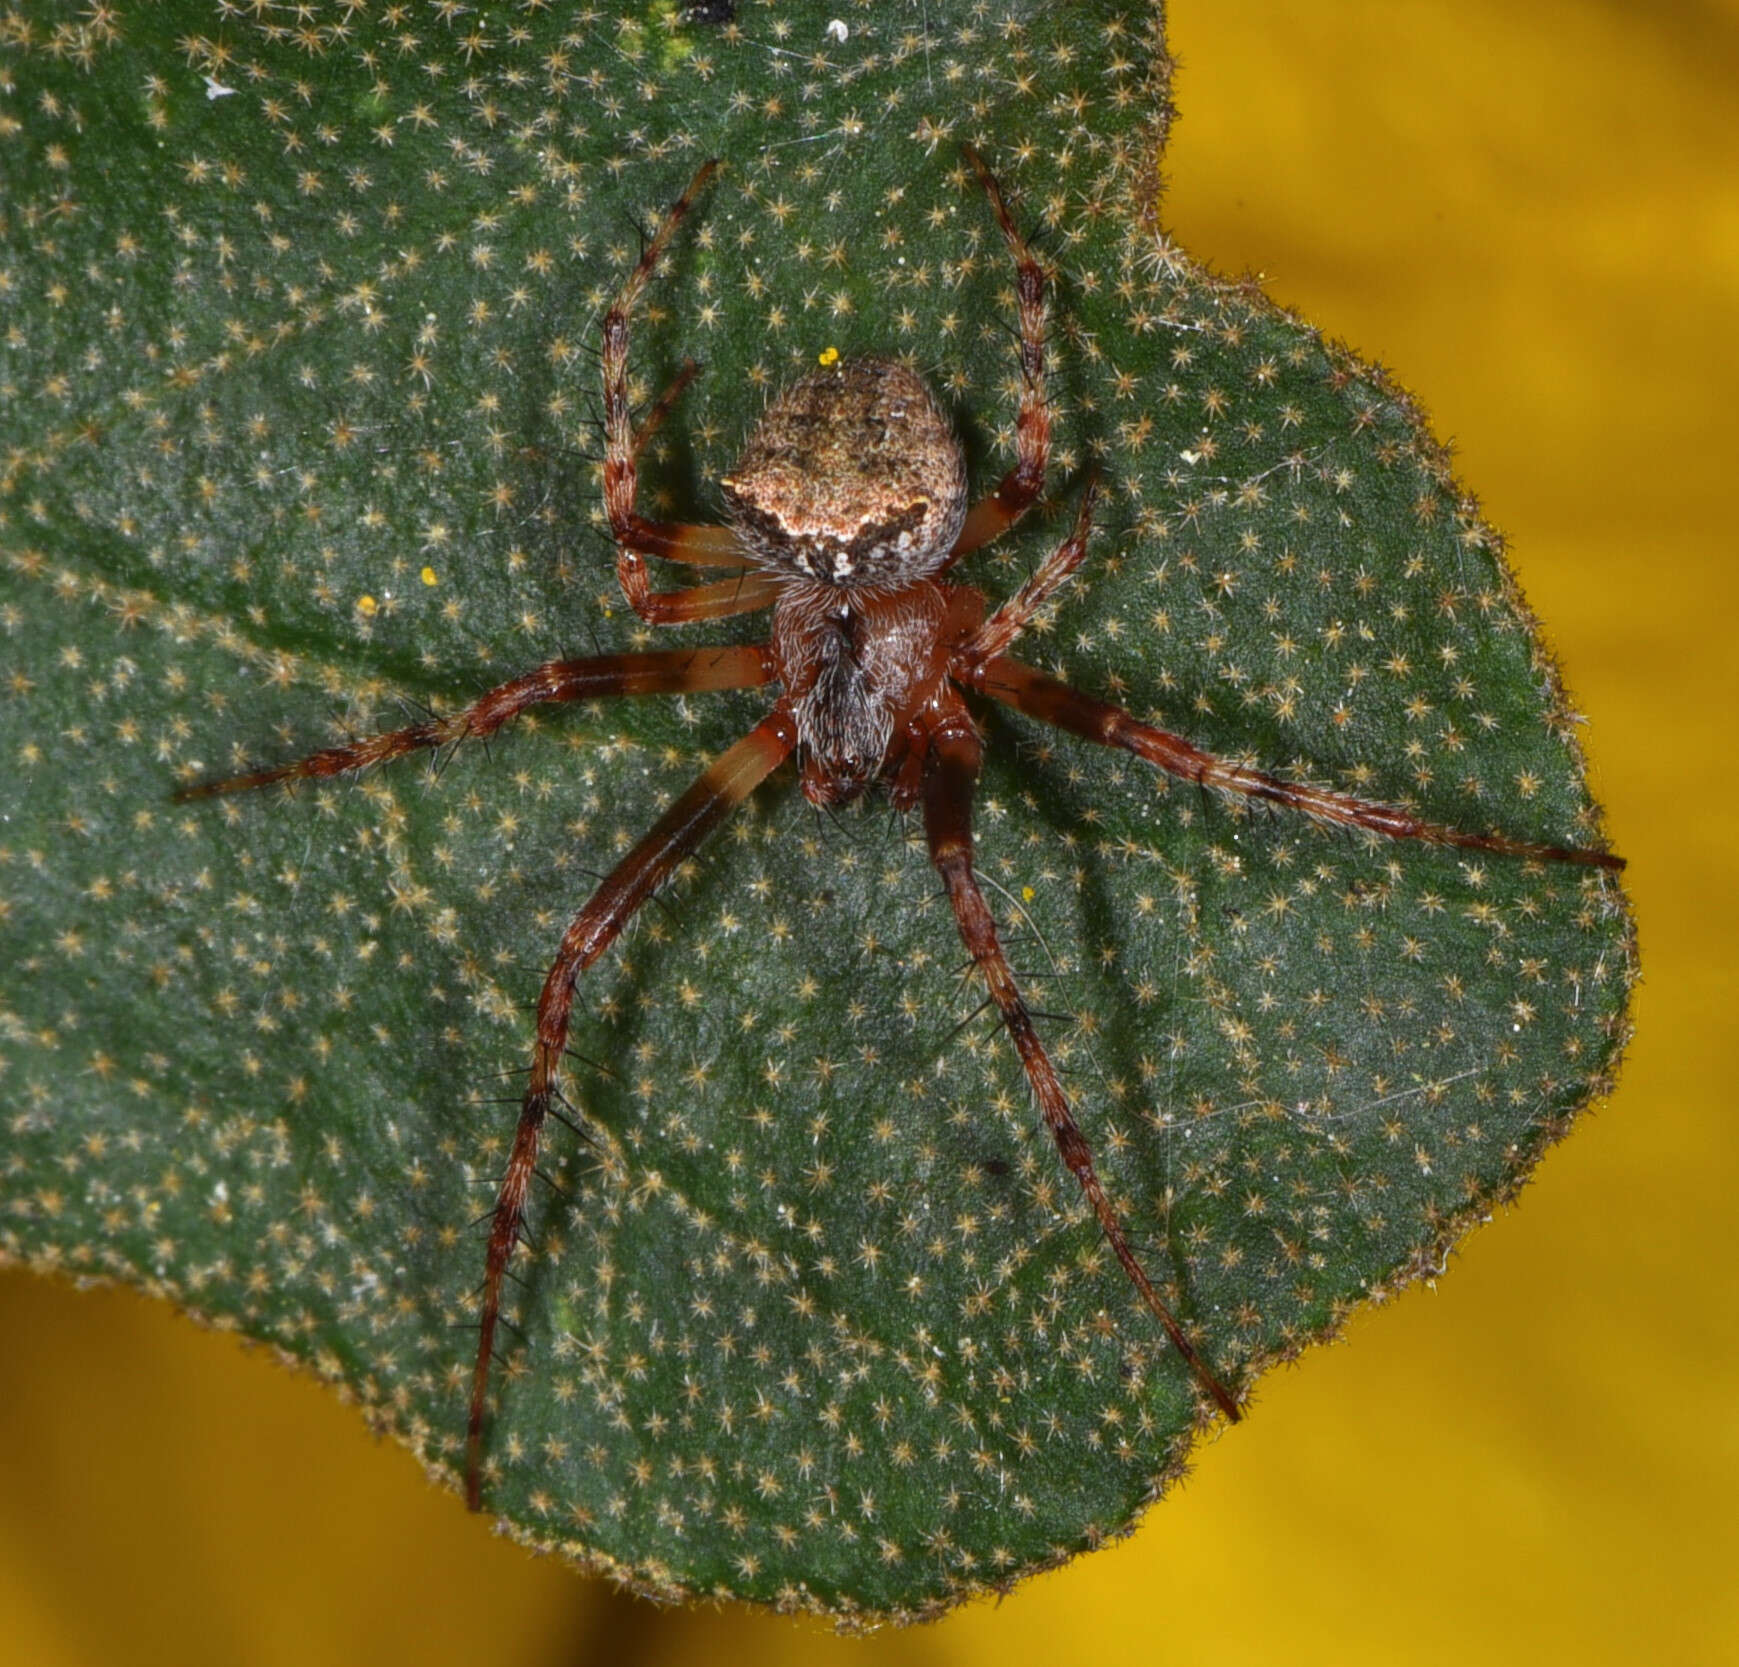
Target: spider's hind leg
<point>636,537</point>
<point>1019,489</point>
<point>679,541</point>
<point>997,634</point>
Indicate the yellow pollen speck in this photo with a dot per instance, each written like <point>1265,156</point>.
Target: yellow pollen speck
<point>1027,894</point>
<point>830,356</point>
<point>429,576</point>
<point>367,605</point>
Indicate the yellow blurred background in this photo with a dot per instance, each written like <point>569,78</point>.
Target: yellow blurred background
<point>1531,214</point>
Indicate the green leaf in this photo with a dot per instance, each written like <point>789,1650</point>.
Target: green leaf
<point>298,386</point>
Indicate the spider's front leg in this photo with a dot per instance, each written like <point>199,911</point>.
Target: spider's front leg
<point>727,781</point>
<point>674,672</point>
<point>952,758</point>
<point>636,537</point>
<point>1054,702</point>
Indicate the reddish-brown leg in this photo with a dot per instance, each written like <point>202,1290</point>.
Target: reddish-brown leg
<point>997,634</point>
<point>673,672</point>
<point>636,537</point>
<point>741,595</point>
<point>698,546</point>
<point>1056,703</point>
<point>990,517</point>
<point>727,781</point>
<point>950,776</point>
<point>663,406</point>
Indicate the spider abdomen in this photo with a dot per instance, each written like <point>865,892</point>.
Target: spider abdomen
<point>853,477</point>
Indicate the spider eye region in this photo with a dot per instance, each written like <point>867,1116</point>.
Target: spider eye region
<point>853,477</point>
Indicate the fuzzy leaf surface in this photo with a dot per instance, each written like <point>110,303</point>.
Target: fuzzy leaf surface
<point>298,389</point>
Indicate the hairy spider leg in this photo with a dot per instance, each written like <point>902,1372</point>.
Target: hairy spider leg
<point>698,546</point>
<point>998,632</point>
<point>726,782</point>
<point>694,545</point>
<point>951,769</point>
<point>745,594</point>
<point>669,672</point>
<point>663,406</point>
<point>1053,702</point>
<point>636,537</point>
<point>1017,491</point>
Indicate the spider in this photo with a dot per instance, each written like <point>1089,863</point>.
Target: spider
<point>845,512</point>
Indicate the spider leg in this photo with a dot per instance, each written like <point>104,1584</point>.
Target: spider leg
<point>950,776</point>
<point>726,782</point>
<point>636,537</point>
<point>698,546</point>
<point>695,545</point>
<point>663,406</point>
<point>998,633</point>
<point>741,595</point>
<point>1056,703</point>
<point>673,672</point>
<point>992,516</point>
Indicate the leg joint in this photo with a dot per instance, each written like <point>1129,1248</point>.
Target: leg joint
<point>952,856</point>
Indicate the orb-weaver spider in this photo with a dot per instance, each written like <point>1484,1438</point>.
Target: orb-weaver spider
<point>845,511</point>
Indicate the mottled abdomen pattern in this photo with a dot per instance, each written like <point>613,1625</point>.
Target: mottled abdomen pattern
<point>852,477</point>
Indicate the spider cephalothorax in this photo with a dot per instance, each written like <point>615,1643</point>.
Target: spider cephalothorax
<point>848,507</point>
